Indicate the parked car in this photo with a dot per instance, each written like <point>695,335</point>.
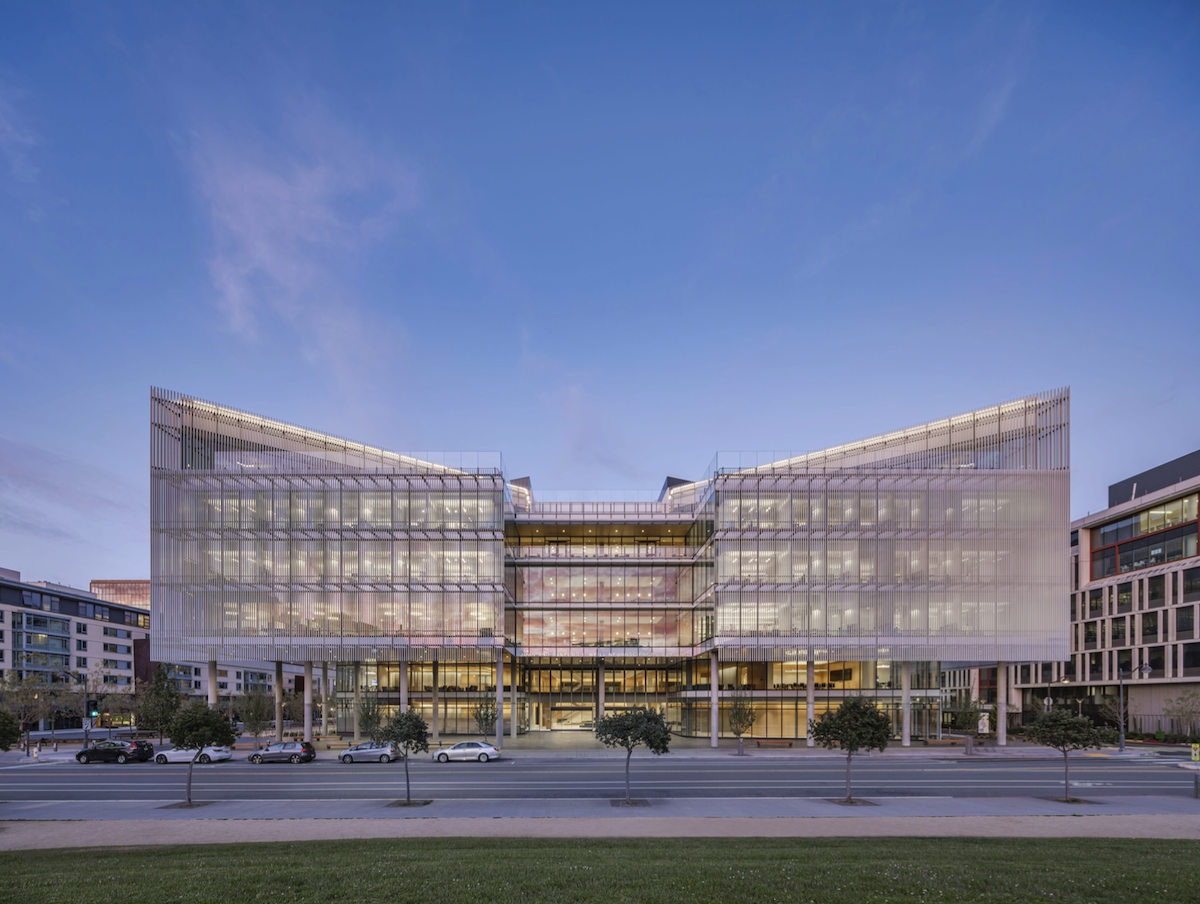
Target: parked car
<point>285,752</point>
<point>469,750</point>
<point>185,755</point>
<point>116,752</point>
<point>371,751</point>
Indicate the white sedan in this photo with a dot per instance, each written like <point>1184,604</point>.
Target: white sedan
<point>468,750</point>
<point>185,755</point>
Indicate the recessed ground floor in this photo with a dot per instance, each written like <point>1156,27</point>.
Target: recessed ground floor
<point>564,694</point>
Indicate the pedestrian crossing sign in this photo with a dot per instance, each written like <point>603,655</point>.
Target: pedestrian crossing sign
<point>1196,753</point>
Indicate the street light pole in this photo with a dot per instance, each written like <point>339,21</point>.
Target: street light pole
<point>1144,669</point>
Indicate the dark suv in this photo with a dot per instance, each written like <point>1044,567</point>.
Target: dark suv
<point>116,752</point>
<point>285,752</point>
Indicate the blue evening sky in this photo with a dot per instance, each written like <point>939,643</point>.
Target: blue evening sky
<point>606,240</point>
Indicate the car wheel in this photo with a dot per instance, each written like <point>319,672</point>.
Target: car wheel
<point>385,759</point>
<point>83,758</point>
<point>443,758</point>
<point>256,759</point>
<point>294,758</point>
<point>205,758</point>
<point>121,758</point>
<point>347,759</point>
<point>483,757</point>
<point>160,759</point>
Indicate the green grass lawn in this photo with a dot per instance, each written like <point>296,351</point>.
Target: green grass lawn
<point>448,871</point>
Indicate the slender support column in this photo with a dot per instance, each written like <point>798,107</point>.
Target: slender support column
<point>714,706</point>
<point>212,684</point>
<point>357,677</point>
<point>404,685</point>
<point>1002,704</point>
<point>308,701</point>
<point>810,698</point>
<point>278,701</point>
<point>513,719</point>
<point>600,691</point>
<point>437,703</point>
<point>906,704</point>
<point>500,697</point>
<point>324,698</point>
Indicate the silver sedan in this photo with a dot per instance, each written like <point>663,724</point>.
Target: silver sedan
<point>372,751</point>
<point>468,750</point>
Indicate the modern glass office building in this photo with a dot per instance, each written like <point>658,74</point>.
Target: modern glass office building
<point>434,581</point>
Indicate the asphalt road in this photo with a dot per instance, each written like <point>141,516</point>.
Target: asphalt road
<point>575,779</point>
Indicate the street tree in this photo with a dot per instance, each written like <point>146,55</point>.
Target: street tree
<point>408,731</point>
<point>25,698</point>
<point>1111,712</point>
<point>855,725</point>
<point>965,716</point>
<point>742,716</point>
<point>1065,732</point>
<point>370,717</point>
<point>257,711</point>
<point>117,704</point>
<point>158,703</point>
<point>293,707</point>
<point>10,730</point>
<point>631,729</point>
<point>484,714</point>
<point>199,727</point>
<point>1185,709</point>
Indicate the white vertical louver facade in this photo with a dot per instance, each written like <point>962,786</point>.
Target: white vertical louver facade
<point>272,542</point>
<point>943,542</point>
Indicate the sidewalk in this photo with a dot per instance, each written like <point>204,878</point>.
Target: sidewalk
<point>24,826</point>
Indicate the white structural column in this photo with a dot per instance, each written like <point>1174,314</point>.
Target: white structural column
<point>212,684</point>
<point>906,704</point>
<point>513,721</point>
<point>278,701</point>
<point>357,677</point>
<point>714,692</point>
<point>1002,704</point>
<point>600,690</point>
<point>308,700</point>
<point>500,697</point>
<point>437,713</point>
<point>810,697</point>
<point>324,698</point>
<point>403,685</point>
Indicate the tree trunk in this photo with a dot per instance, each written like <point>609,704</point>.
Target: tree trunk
<point>1067,777</point>
<point>407,784</point>
<point>189,778</point>
<point>628,756</point>
<point>741,752</point>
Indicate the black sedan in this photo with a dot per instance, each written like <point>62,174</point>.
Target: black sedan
<point>116,752</point>
<point>285,752</point>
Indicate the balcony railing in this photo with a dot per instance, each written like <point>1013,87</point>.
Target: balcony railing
<point>564,551</point>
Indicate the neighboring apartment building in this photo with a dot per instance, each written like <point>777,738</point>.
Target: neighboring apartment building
<point>797,579</point>
<point>1134,587</point>
<point>57,631</point>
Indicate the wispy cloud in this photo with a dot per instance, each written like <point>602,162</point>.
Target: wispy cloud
<point>877,219</point>
<point>591,437</point>
<point>47,496</point>
<point>1002,78</point>
<point>290,220</point>
<point>17,139</point>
